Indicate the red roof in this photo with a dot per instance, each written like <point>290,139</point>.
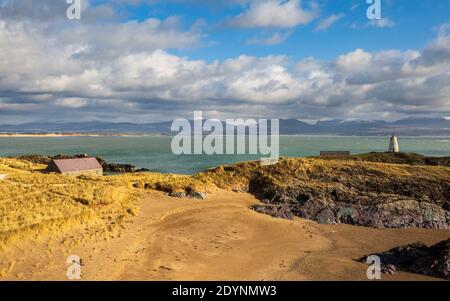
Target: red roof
<point>81,164</point>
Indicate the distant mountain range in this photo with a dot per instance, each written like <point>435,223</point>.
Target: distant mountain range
<point>406,127</point>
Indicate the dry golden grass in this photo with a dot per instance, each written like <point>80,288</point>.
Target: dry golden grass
<point>167,182</point>
<point>289,170</point>
<point>286,172</point>
<point>33,204</point>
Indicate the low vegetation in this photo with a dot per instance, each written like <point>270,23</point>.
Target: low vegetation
<point>397,158</point>
<point>33,204</point>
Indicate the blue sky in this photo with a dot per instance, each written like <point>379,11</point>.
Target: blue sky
<point>414,24</point>
<point>156,60</point>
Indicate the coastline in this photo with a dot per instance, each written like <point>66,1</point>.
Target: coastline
<point>37,135</point>
<point>156,134</point>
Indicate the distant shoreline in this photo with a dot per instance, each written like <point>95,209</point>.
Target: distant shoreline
<point>32,135</point>
<point>50,135</point>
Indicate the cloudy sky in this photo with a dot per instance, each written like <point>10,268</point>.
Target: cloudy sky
<point>155,60</point>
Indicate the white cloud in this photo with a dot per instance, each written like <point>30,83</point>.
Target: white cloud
<point>124,71</point>
<point>326,23</point>
<point>71,102</point>
<point>382,23</point>
<point>358,60</point>
<point>276,38</point>
<point>354,6</point>
<point>275,13</point>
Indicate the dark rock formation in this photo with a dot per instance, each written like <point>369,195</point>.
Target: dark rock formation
<point>178,194</point>
<point>358,196</point>
<point>358,193</point>
<point>196,195</point>
<point>375,202</point>
<point>117,167</point>
<point>188,194</point>
<point>280,210</point>
<point>418,258</point>
<point>388,269</point>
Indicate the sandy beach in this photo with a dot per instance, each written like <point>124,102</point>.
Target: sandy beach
<point>216,239</point>
<point>13,135</point>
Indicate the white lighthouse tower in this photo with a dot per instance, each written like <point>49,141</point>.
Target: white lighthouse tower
<point>393,144</point>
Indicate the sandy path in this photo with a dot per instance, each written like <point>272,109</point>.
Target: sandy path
<point>219,238</point>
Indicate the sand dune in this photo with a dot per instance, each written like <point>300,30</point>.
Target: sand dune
<point>216,239</point>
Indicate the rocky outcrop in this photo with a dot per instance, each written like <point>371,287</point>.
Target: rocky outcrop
<point>362,207</point>
<point>118,167</point>
<point>279,210</point>
<point>418,258</point>
<point>374,202</point>
<point>189,195</point>
<point>357,193</point>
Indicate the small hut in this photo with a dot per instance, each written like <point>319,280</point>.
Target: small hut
<point>76,167</point>
<point>393,144</point>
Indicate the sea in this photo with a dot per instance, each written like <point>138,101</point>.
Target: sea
<point>155,154</point>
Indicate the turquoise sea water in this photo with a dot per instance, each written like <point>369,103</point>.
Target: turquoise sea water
<point>154,152</point>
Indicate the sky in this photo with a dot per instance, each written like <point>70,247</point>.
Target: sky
<point>150,60</point>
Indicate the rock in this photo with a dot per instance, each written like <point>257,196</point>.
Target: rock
<point>388,269</point>
<point>278,211</point>
<point>179,194</point>
<point>240,190</point>
<point>357,195</point>
<point>189,195</point>
<point>116,167</point>
<point>418,258</point>
<point>37,159</point>
<point>326,216</point>
<point>142,170</point>
<point>196,195</point>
